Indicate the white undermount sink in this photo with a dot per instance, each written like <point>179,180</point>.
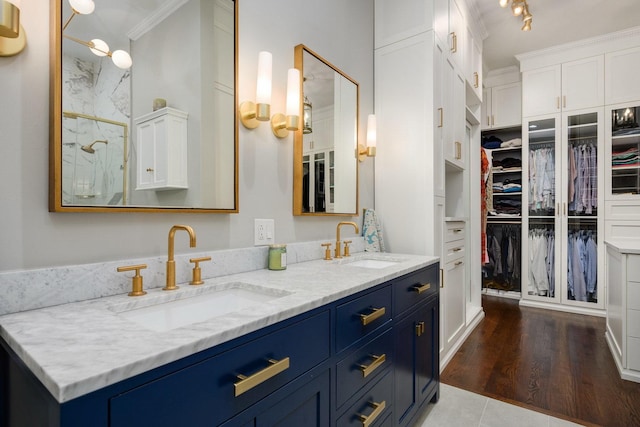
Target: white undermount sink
<point>371,263</point>
<point>174,310</point>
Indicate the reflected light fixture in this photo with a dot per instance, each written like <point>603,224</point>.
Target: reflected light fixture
<point>98,47</point>
<point>252,113</point>
<point>307,124</point>
<point>281,124</point>
<point>370,149</point>
<point>520,8</point>
<point>13,39</point>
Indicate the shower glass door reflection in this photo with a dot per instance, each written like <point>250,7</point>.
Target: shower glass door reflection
<point>94,162</point>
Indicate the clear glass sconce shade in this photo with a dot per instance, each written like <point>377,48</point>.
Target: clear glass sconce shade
<point>83,7</point>
<point>307,124</point>
<point>121,59</point>
<point>100,47</point>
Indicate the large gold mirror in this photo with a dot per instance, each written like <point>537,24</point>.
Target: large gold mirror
<point>143,106</point>
<point>325,150</point>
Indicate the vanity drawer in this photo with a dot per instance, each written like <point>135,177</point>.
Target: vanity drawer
<point>363,365</point>
<point>207,390</point>
<point>454,250</point>
<point>380,395</point>
<point>454,231</point>
<point>360,316</point>
<point>415,287</point>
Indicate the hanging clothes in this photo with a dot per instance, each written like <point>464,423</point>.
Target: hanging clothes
<point>542,180</point>
<point>582,265</point>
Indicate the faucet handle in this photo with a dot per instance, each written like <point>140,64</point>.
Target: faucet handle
<point>346,247</point>
<point>136,280</point>
<point>327,251</point>
<point>197,272</point>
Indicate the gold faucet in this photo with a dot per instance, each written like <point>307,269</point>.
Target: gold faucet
<point>338,255</point>
<point>171,264</point>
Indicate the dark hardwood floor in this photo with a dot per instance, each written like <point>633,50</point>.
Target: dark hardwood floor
<point>549,361</point>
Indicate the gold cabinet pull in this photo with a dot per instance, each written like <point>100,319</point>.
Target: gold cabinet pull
<point>476,77</point>
<point>419,329</point>
<point>454,40</point>
<point>247,383</point>
<point>442,278</point>
<point>441,111</point>
<point>377,361</point>
<point>375,314</point>
<point>458,150</point>
<point>564,101</point>
<point>422,288</point>
<point>557,102</point>
<point>493,120</point>
<point>457,249</point>
<point>377,410</point>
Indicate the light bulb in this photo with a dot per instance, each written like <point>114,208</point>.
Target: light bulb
<point>293,92</point>
<point>517,8</point>
<point>121,59</point>
<point>99,48</point>
<point>504,3</point>
<point>83,7</point>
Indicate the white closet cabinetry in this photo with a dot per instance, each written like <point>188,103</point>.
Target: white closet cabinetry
<point>562,215</point>
<point>162,150</point>
<point>450,28</point>
<point>452,292</point>
<point>502,106</point>
<point>563,87</point>
<point>621,79</point>
<point>473,65</point>
<point>623,306</point>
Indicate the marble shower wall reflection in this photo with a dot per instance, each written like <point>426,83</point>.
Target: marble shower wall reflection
<point>97,174</point>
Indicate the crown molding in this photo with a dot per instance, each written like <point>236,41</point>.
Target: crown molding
<point>153,19</point>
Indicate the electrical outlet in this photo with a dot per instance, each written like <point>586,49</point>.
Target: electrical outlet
<point>264,232</point>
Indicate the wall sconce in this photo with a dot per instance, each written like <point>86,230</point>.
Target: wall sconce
<point>370,149</point>
<point>307,125</point>
<point>281,124</point>
<point>98,47</point>
<point>13,39</point>
<point>260,111</point>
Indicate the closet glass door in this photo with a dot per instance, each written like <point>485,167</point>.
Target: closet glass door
<point>580,215</point>
<point>543,208</point>
<point>625,149</point>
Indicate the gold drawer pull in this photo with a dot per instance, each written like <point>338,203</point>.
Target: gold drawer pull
<point>422,288</point>
<point>375,314</point>
<point>377,410</point>
<point>377,361</point>
<point>457,249</point>
<point>457,230</point>
<point>247,383</point>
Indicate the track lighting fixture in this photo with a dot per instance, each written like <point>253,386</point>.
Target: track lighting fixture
<point>519,8</point>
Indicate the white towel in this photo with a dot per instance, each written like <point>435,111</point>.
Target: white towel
<point>372,232</point>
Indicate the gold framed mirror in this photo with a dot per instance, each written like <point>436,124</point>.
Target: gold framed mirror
<point>325,161</point>
<point>159,135</point>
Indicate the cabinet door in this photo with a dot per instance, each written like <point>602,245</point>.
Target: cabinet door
<point>506,105</point>
<point>623,161</point>
<point>439,102</point>
<point>416,363</point>
<point>541,91</point>
<point>458,32</point>
<point>622,69</point>
<point>473,64</point>
<point>485,111</point>
<point>583,83</point>
<point>452,304</point>
<point>441,20</point>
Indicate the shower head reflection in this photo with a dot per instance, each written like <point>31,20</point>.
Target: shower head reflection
<point>89,148</point>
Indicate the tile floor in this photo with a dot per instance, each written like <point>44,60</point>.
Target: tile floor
<point>462,408</point>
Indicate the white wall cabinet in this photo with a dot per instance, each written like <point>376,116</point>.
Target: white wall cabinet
<point>621,78</point>
<point>623,306</point>
<point>563,87</point>
<point>562,207</point>
<point>473,65</point>
<point>453,115</point>
<point>452,288</point>
<point>161,138</point>
<point>502,106</point>
<point>451,29</point>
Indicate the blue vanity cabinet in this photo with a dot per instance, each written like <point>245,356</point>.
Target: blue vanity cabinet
<point>210,392</point>
<point>416,342</point>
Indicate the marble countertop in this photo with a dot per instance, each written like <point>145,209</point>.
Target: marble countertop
<point>624,245</point>
<point>80,347</point>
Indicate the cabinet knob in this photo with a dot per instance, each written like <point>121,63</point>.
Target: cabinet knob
<point>136,280</point>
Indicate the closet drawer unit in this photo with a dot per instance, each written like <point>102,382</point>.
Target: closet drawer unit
<point>633,295</point>
<point>633,323</point>
<point>414,288</point>
<point>361,316</point>
<point>212,389</point>
<point>633,268</point>
<point>454,231</point>
<point>633,354</point>
<point>372,408</point>
<point>363,366</point>
<point>454,250</point>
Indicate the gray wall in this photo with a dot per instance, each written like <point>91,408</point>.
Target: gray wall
<point>31,237</point>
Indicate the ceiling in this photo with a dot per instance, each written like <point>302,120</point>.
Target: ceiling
<point>554,22</point>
